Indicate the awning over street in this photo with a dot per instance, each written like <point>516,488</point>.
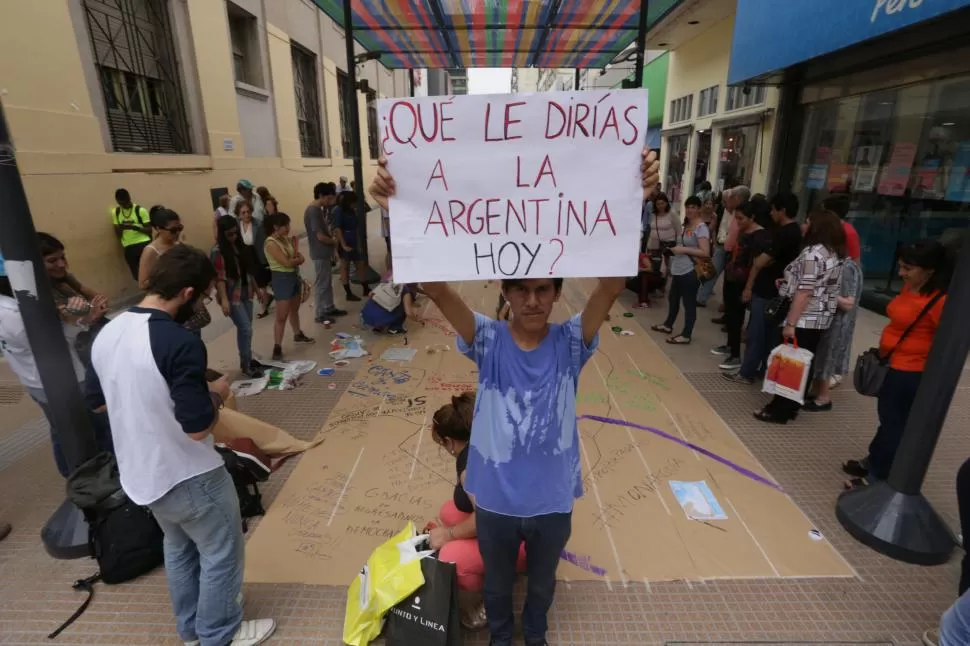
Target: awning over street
<point>496,33</point>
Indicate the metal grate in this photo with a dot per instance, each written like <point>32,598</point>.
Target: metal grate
<point>134,52</point>
<point>307,101</point>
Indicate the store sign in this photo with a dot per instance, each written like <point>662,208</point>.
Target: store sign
<point>833,25</point>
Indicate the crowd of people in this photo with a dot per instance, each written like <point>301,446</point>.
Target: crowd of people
<point>511,511</point>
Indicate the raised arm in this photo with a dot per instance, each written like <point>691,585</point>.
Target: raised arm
<point>454,309</point>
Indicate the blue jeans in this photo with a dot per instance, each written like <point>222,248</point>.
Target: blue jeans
<point>99,422</point>
<point>241,314</point>
<point>719,258</point>
<point>203,556</point>
<point>499,539</point>
<point>763,336</point>
<point>955,624</point>
<point>683,288</point>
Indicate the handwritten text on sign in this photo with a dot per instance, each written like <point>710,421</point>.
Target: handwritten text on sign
<point>504,186</point>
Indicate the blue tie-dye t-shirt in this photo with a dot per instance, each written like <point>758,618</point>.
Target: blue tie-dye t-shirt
<point>524,455</point>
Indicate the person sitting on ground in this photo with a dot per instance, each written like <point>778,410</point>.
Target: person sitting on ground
<point>345,228</point>
<point>523,470</point>
<point>235,288</point>
<point>388,307</point>
<point>287,286</point>
<point>453,533</point>
<point>168,228</point>
<point>695,244</point>
<point>150,372</point>
<point>926,269</point>
<point>76,314</point>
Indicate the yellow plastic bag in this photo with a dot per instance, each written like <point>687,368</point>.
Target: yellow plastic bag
<point>392,572</point>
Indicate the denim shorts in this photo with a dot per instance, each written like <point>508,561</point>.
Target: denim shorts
<point>286,285</point>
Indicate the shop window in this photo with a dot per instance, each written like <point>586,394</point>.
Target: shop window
<point>243,39</point>
<point>134,55</point>
<point>307,101</point>
<point>680,109</point>
<point>701,159</point>
<point>343,99</point>
<point>673,184</point>
<point>744,96</point>
<point>707,101</point>
<point>902,156</point>
<point>373,134</point>
<point>737,156</point>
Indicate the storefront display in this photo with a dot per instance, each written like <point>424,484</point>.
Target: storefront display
<point>737,157</point>
<point>903,157</point>
<point>673,183</point>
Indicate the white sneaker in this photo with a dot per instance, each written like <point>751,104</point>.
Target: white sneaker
<point>254,631</point>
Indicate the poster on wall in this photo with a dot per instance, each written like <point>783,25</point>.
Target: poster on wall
<point>895,174</point>
<point>839,177</point>
<point>866,168</point>
<point>928,182</point>
<point>524,186</point>
<point>815,177</point>
<point>958,182</point>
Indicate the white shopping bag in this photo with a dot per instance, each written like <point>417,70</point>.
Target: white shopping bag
<point>789,369</point>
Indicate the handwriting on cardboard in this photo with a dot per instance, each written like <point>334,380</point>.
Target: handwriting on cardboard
<point>527,186</point>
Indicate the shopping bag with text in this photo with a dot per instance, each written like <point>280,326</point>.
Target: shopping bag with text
<point>788,372</point>
<point>392,572</point>
<point>430,616</point>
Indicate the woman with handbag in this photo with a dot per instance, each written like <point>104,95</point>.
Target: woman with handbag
<point>904,347</point>
<point>252,233</point>
<point>287,286</point>
<point>662,232</point>
<point>809,291</point>
<point>684,262</point>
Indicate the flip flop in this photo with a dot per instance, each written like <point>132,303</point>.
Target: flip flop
<point>678,340</point>
<point>661,328</point>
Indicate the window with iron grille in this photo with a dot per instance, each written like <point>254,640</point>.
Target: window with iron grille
<point>680,109</point>
<point>307,101</point>
<point>373,135</point>
<point>741,96</point>
<point>136,62</point>
<point>343,99</point>
<point>707,101</point>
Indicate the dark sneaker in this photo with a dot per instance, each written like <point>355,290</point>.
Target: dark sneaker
<point>352,297</point>
<point>721,351</point>
<point>731,363</point>
<point>251,372</point>
<point>336,312</point>
<point>302,338</point>
<point>737,378</point>
<point>277,353</point>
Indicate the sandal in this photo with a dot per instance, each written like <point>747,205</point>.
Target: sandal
<point>474,618</point>
<point>855,468</point>
<point>661,328</point>
<point>680,339</point>
<point>855,483</point>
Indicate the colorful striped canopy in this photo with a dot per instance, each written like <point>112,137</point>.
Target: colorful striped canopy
<point>435,34</point>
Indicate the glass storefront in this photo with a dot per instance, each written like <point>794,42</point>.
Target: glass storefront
<point>903,157</point>
<point>701,159</point>
<point>737,156</point>
<point>673,183</point>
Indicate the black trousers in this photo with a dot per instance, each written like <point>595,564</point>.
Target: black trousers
<point>133,257</point>
<point>783,408</point>
<point>893,405</point>
<point>734,315</point>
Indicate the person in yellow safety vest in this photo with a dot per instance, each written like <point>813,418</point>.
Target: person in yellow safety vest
<point>133,228</point>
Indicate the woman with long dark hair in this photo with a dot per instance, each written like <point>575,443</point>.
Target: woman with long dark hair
<point>811,286</point>
<point>662,234</point>
<point>235,288</point>
<point>168,228</point>
<point>926,268</point>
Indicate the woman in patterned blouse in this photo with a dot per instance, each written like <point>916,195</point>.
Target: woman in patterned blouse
<point>811,285</point>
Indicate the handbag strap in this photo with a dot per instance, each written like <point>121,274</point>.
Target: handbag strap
<point>83,585</point>
<point>926,309</point>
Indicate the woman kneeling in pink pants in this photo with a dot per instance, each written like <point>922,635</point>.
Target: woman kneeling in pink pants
<point>454,534</point>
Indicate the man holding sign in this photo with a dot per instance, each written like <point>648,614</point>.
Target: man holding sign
<point>523,471</point>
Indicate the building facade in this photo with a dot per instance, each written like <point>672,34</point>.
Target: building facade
<point>875,106</point>
<point>713,131</point>
<point>173,100</point>
<point>533,79</point>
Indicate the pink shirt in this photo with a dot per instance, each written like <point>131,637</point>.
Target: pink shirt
<point>734,229</point>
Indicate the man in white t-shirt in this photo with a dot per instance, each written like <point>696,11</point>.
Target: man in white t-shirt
<point>151,373</point>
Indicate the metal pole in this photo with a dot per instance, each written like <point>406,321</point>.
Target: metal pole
<point>411,79</point>
<point>641,43</point>
<point>893,517</point>
<point>350,93</point>
<point>65,534</point>
<point>28,277</point>
<point>576,82</point>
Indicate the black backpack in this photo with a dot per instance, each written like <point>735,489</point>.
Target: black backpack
<point>246,471</point>
<point>123,537</point>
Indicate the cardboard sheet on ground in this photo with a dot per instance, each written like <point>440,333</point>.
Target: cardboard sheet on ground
<point>377,468</point>
<point>515,185</point>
